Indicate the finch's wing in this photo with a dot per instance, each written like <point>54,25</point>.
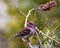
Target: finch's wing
<point>24,32</point>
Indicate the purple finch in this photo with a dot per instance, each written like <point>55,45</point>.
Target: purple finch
<point>27,31</point>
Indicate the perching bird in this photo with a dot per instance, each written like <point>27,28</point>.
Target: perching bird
<point>27,31</point>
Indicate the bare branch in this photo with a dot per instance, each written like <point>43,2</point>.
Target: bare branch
<point>51,45</point>
<point>17,8</point>
<point>29,45</point>
<point>51,34</point>
<point>28,16</point>
<point>47,36</point>
<point>53,30</point>
<point>39,41</point>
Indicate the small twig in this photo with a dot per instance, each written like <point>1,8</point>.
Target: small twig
<point>52,33</point>
<point>17,8</point>
<point>28,16</point>
<point>51,45</point>
<point>47,36</point>
<point>53,30</point>
<point>39,41</point>
<point>29,45</point>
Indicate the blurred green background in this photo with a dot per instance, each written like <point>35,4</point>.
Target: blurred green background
<point>11,22</point>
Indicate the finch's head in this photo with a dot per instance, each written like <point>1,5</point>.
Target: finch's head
<point>31,24</point>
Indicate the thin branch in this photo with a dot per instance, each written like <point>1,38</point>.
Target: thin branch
<point>53,30</point>
<point>17,8</point>
<point>39,41</point>
<point>29,45</point>
<point>51,45</point>
<point>52,33</point>
<point>47,36</point>
<point>35,19</point>
<point>28,16</point>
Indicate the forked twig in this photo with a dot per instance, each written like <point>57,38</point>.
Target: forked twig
<point>28,16</point>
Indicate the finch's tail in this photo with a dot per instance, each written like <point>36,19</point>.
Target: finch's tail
<point>13,37</point>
